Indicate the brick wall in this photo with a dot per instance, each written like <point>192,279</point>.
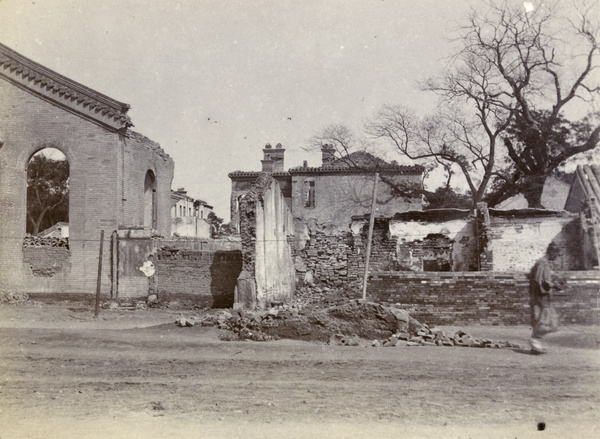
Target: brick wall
<point>489,298</point>
<point>107,171</point>
<point>140,155</point>
<point>47,261</point>
<point>47,266</point>
<point>206,278</point>
<point>31,123</point>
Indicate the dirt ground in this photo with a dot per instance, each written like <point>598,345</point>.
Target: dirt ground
<point>135,374</point>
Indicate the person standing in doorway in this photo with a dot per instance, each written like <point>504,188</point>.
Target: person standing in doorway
<point>150,271</point>
<point>544,318</point>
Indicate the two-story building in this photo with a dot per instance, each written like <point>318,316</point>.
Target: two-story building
<point>189,216</point>
<point>328,196</point>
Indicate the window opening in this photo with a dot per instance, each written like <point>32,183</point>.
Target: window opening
<point>48,194</point>
<point>150,200</point>
<point>309,194</point>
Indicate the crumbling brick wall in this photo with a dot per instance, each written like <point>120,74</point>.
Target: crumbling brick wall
<point>140,155</point>
<point>47,261</point>
<point>336,258</point>
<point>489,298</point>
<point>266,225</point>
<point>107,169</point>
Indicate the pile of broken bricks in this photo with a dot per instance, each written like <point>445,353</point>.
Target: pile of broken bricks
<point>433,337</point>
<point>247,325</point>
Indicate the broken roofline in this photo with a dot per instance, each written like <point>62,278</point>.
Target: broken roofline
<point>55,87</point>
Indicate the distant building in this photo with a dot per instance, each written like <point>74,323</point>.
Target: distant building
<point>329,195</point>
<point>58,230</point>
<point>189,216</point>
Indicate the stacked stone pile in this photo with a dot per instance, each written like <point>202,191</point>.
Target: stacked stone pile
<point>326,256</point>
<point>36,241</point>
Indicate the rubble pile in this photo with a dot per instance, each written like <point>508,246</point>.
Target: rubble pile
<point>436,337</point>
<point>353,323</point>
<point>185,322</point>
<point>13,298</point>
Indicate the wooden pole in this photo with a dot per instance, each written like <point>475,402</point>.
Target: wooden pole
<point>114,250</point>
<point>98,282</point>
<point>370,237</point>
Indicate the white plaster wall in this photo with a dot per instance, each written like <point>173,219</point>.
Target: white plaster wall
<point>455,230</point>
<point>274,268</point>
<point>191,227</point>
<point>517,244</point>
<point>413,230</point>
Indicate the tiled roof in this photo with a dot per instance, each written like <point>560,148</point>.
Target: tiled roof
<point>255,174</point>
<point>416,169</point>
<point>63,91</point>
<point>332,170</point>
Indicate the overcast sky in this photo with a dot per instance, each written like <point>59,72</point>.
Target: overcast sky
<point>214,81</point>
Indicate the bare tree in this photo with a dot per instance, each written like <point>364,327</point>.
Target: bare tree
<point>450,138</point>
<point>504,95</point>
<point>540,61</point>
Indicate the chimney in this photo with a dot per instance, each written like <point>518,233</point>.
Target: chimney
<point>273,159</point>
<point>267,165</point>
<point>327,154</point>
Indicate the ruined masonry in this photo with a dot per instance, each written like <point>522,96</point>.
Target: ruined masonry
<point>120,181</point>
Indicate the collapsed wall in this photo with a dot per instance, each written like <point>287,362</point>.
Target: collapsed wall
<point>266,227</point>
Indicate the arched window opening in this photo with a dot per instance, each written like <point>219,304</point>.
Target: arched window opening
<point>150,200</point>
<point>48,194</point>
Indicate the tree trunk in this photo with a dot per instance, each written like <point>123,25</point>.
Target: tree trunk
<point>533,188</point>
<point>36,223</point>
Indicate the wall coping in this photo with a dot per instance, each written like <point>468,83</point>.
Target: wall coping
<point>582,275</point>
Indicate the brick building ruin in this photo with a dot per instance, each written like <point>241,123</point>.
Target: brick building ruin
<point>312,202</point>
<point>425,260</point>
<point>119,180</point>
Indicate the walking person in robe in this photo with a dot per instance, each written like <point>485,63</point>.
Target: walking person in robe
<point>544,318</point>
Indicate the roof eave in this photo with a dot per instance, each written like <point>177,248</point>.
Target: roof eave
<point>62,91</point>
